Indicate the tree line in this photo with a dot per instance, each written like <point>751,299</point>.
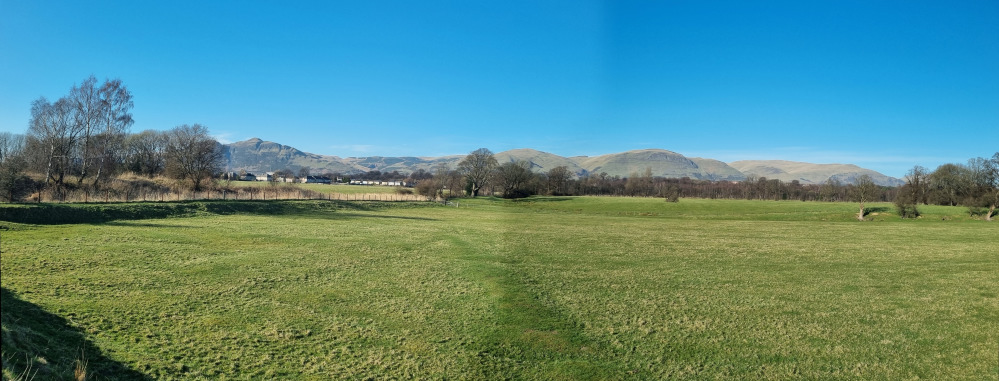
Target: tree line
<point>974,185</point>
<point>83,140</point>
<point>479,173</point>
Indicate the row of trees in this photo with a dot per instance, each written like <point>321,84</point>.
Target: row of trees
<point>81,134</point>
<point>975,185</point>
<point>479,173</point>
<point>83,139</point>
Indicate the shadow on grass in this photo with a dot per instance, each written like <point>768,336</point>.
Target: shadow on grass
<point>58,214</point>
<point>42,346</point>
<point>876,209</point>
<point>142,224</point>
<point>355,215</point>
<point>543,199</point>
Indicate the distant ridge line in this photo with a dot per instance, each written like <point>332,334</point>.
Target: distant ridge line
<point>258,155</point>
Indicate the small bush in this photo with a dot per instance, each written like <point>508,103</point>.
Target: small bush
<point>518,193</point>
<point>426,188</point>
<point>977,211</point>
<point>906,210</point>
<point>671,194</point>
<point>14,188</point>
<point>905,202</point>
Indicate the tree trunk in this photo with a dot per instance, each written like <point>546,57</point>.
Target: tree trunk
<point>100,169</point>
<point>860,216</point>
<point>83,173</point>
<point>992,209</point>
<point>48,168</point>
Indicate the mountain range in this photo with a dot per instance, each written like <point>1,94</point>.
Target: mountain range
<point>256,155</point>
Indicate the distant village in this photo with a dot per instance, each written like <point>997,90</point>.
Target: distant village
<point>277,178</point>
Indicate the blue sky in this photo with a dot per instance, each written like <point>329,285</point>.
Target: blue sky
<point>882,84</point>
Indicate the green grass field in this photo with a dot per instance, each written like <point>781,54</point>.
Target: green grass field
<point>542,288</point>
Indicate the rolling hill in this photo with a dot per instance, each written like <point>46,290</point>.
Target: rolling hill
<point>405,164</point>
<point>662,163</point>
<point>808,173</point>
<point>540,161</point>
<point>256,155</point>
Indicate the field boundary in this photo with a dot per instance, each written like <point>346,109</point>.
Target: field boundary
<point>117,194</point>
<point>67,213</point>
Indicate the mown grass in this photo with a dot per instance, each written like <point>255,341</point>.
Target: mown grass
<point>544,288</point>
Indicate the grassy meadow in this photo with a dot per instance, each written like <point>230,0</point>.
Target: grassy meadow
<point>542,288</point>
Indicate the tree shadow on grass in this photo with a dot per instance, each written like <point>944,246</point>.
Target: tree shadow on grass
<point>143,224</point>
<point>58,214</point>
<point>543,199</point>
<point>876,209</point>
<point>39,345</point>
<point>345,216</point>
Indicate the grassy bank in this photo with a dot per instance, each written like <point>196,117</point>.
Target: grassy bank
<point>47,214</point>
<point>545,288</point>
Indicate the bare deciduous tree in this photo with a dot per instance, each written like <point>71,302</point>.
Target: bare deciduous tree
<point>304,172</point>
<point>916,178</point>
<point>640,184</point>
<point>994,170</point>
<point>52,138</point>
<point>115,118</point>
<point>983,184</point>
<point>558,179</point>
<point>14,185</point>
<point>477,168</point>
<point>86,117</point>
<point>145,152</point>
<point>192,154</point>
<point>11,145</point>
<point>949,184</point>
<point>863,192</point>
<point>512,178</point>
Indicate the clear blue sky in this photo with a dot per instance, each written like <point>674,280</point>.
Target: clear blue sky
<point>882,84</point>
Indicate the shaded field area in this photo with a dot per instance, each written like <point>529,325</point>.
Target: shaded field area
<point>144,190</point>
<point>45,346</point>
<point>544,288</point>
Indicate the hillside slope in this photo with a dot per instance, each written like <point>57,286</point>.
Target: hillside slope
<point>256,155</point>
<point>540,161</point>
<point>404,164</point>
<point>662,163</point>
<point>808,173</point>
